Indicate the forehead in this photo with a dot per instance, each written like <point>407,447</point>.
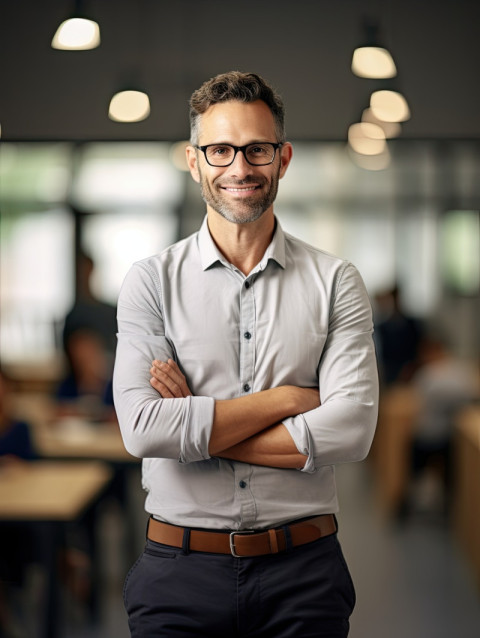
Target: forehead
<point>238,123</point>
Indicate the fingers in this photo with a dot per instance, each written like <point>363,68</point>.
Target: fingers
<point>162,389</point>
<point>168,379</point>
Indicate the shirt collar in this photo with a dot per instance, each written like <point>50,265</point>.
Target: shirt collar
<point>209,253</point>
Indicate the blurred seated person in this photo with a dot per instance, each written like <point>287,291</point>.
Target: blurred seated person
<point>86,390</point>
<point>397,338</point>
<point>444,384</point>
<point>88,312</point>
<point>15,436</point>
<point>16,542</point>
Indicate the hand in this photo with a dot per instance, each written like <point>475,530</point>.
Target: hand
<point>168,380</point>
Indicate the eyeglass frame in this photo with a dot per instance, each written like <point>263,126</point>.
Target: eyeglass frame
<point>276,146</point>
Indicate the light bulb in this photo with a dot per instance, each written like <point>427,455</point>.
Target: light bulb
<point>77,34</point>
<point>373,62</point>
<point>129,106</point>
<point>389,106</point>
<point>366,138</point>
<point>391,129</point>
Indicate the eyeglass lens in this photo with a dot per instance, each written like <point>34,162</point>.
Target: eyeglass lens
<point>256,154</point>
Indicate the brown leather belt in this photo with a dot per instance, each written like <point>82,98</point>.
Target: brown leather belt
<point>244,543</point>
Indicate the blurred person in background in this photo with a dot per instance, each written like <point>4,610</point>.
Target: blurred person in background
<point>17,547</point>
<point>25,543</point>
<point>444,384</point>
<point>228,343</point>
<point>16,442</point>
<point>88,312</point>
<point>397,338</point>
<point>89,342</point>
<point>86,389</point>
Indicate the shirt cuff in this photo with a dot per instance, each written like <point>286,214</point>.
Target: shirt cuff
<point>197,425</point>
<point>298,430</point>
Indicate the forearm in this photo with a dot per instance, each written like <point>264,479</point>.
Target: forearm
<point>238,420</point>
<point>272,447</point>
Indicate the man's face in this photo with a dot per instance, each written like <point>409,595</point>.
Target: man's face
<point>240,192</point>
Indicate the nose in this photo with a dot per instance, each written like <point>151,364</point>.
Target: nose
<point>240,166</point>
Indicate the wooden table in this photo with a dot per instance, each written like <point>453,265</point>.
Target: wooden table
<point>50,495</point>
<point>50,491</point>
<point>73,437</point>
<point>467,485</point>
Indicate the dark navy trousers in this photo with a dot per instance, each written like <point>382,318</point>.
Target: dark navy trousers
<point>306,592</point>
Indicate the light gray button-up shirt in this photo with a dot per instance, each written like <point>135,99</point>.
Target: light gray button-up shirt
<point>301,317</point>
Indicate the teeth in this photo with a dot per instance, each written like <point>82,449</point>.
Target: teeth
<point>240,190</point>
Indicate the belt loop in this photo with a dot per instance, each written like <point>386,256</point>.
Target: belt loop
<point>336,523</point>
<point>186,541</point>
<point>288,538</point>
<point>273,541</point>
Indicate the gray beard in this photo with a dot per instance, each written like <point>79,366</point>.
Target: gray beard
<point>243,212</point>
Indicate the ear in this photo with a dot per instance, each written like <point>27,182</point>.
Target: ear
<point>192,161</point>
<point>286,153</point>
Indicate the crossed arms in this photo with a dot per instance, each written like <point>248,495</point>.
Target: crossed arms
<point>284,426</point>
<point>247,428</point>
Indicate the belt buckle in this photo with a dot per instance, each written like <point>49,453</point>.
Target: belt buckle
<point>232,541</point>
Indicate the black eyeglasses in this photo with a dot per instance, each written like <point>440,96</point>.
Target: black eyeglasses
<point>256,154</point>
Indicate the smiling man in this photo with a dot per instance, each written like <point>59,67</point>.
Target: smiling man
<point>245,371</point>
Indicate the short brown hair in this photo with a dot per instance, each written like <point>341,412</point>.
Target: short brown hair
<point>235,85</point>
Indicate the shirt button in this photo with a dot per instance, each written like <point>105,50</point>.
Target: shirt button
<point>242,484</point>
<point>246,388</point>
<point>247,285</point>
<point>247,335</point>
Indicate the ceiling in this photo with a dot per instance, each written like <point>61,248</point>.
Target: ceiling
<point>303,47</point>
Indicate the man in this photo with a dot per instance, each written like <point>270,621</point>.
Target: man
<point>228,341</point>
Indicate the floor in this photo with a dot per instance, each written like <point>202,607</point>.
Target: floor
<point>411,579</point>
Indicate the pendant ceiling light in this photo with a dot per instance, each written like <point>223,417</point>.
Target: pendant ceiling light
<point>391,129</point>
<point>389,106</point>
<point>371,60</point>
<point>77,34</point>
<point>366,138</point>
<point>129,106</point>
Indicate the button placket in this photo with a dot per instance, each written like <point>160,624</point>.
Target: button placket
<point>243,493</point>
<point>247,338</point>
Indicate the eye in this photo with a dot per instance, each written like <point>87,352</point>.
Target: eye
<point>260,150</point>
<point>219,150</point>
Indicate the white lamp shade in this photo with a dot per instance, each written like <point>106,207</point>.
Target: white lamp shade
<point>366,138</point>
<point>77,34</point>
<point>389,106</point>
<point>391,129</point>
<point>373,62</point>
<point>129,106</point>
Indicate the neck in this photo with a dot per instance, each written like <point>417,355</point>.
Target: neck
<point>243,245</point>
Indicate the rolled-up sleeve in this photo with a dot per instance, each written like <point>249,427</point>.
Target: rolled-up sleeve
<point>152,426</point>
<point>341,430</point>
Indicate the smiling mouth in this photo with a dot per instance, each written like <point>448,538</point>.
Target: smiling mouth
<point>244,189</point>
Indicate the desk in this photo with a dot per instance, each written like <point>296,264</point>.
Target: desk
<point>467,484</point>
<point>49,491</point>
<point>51,494</point>
<point>392,444</point>
<point>73,437</point>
